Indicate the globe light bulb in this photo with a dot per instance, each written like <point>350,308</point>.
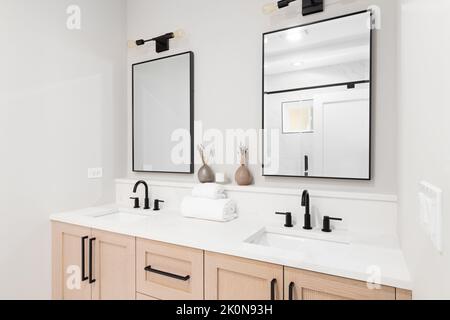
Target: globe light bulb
<point>132,44</point>
<point>270,8</point>
<point>179,34</point>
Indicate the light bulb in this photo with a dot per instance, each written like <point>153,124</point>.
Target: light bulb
<point>270,8</point>
<point>132,44</point>
<point>179,34</point>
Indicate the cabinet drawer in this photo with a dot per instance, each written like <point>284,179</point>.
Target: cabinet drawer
<point>169,272</point>
<point>307,285</point>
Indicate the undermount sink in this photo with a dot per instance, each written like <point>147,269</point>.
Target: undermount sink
<point>119,216</point>
<point>294,239</point>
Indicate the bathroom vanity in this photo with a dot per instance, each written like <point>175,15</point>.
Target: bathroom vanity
<point>132,254</point>
<point>317,93</point>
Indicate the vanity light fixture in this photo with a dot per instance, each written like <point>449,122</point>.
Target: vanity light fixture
<point>272,7</point>
<point>308,6</point>
<point>162,42</point>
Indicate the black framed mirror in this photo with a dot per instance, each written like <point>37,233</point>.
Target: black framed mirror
<point>163,114</point>
<point>317,83</point>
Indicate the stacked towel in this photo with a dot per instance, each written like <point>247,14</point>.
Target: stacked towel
<point>216,210</point>
<point>209,202</point>
<point>211,191</point>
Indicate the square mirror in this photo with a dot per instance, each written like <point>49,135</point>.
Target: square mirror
<point>317,99</point>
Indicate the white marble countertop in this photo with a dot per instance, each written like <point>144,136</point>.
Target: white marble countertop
<point>362,259</point>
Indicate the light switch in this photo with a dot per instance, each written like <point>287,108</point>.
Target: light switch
<point>95,173</point>
<point>430,199</point>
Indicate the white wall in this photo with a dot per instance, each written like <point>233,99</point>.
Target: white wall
<point>226,37</point>
<point>424,131</point>
<point>62,103</point>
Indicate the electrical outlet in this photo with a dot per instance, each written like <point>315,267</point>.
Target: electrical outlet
<point>430,198</point>
<point>95,173</point>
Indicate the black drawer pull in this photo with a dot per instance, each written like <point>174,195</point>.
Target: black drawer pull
<point>273,285</point>
<point>291,291</point>
<point>91,266</point>
<point>83,259</point>
<point>167,274</point>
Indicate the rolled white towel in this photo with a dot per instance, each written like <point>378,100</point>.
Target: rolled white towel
<point>212,191</point>
<point>222,210</point>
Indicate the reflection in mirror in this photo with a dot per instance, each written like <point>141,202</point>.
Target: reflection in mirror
<point>163,115</point>
<point>298,116</point>
<point>317,96</point>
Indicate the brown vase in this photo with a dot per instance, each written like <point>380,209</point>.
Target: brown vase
<point>205,174</point>
<point>243,176</point>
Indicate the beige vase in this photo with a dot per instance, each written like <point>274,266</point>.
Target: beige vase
<point>243,176</point>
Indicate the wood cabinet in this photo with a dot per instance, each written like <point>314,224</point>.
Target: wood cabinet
<point>69,261</point>
<point>230,278</point>
<point>169,272</point>
<point>402,294</point>
<point>90,264</point>
<point>143,297</point>
<point>306,285</point>
<point>114,265</point>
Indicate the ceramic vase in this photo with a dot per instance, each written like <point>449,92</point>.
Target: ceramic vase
<point>205,174</point>
<point>243,176</point>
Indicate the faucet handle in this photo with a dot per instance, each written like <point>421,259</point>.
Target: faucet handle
<point>156,206</point>
<point>327,223</point>
<point>136,202</point>
<point>288,215</point>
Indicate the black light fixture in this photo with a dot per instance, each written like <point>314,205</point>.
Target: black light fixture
<point>312,6</point>
<point>162,42</point>
<point>308,6</point>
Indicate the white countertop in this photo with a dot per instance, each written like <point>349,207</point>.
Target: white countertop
<point>360,260</point>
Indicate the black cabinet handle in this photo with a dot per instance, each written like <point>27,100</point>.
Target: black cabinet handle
<point>167,274</point>
<point>91,277</point>
<point>291,291</point>
<point>83,259</point>
<point>273,286</point>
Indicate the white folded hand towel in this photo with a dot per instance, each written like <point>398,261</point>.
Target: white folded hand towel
<point>209,191</point>
<point>216,210</point>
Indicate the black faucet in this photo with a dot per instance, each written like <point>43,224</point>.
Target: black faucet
<point>156,206</point>
<point>305,203</point>
<point>288,223</point>
<point>147,200</point>
<point>327,225</point>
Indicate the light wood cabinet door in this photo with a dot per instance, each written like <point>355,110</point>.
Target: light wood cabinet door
<point>169,272</point>
<point>69,262</point>
<point>114,266</point>
<point>306,285</point>
<point>230,278</point>
<point>402,294</point>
